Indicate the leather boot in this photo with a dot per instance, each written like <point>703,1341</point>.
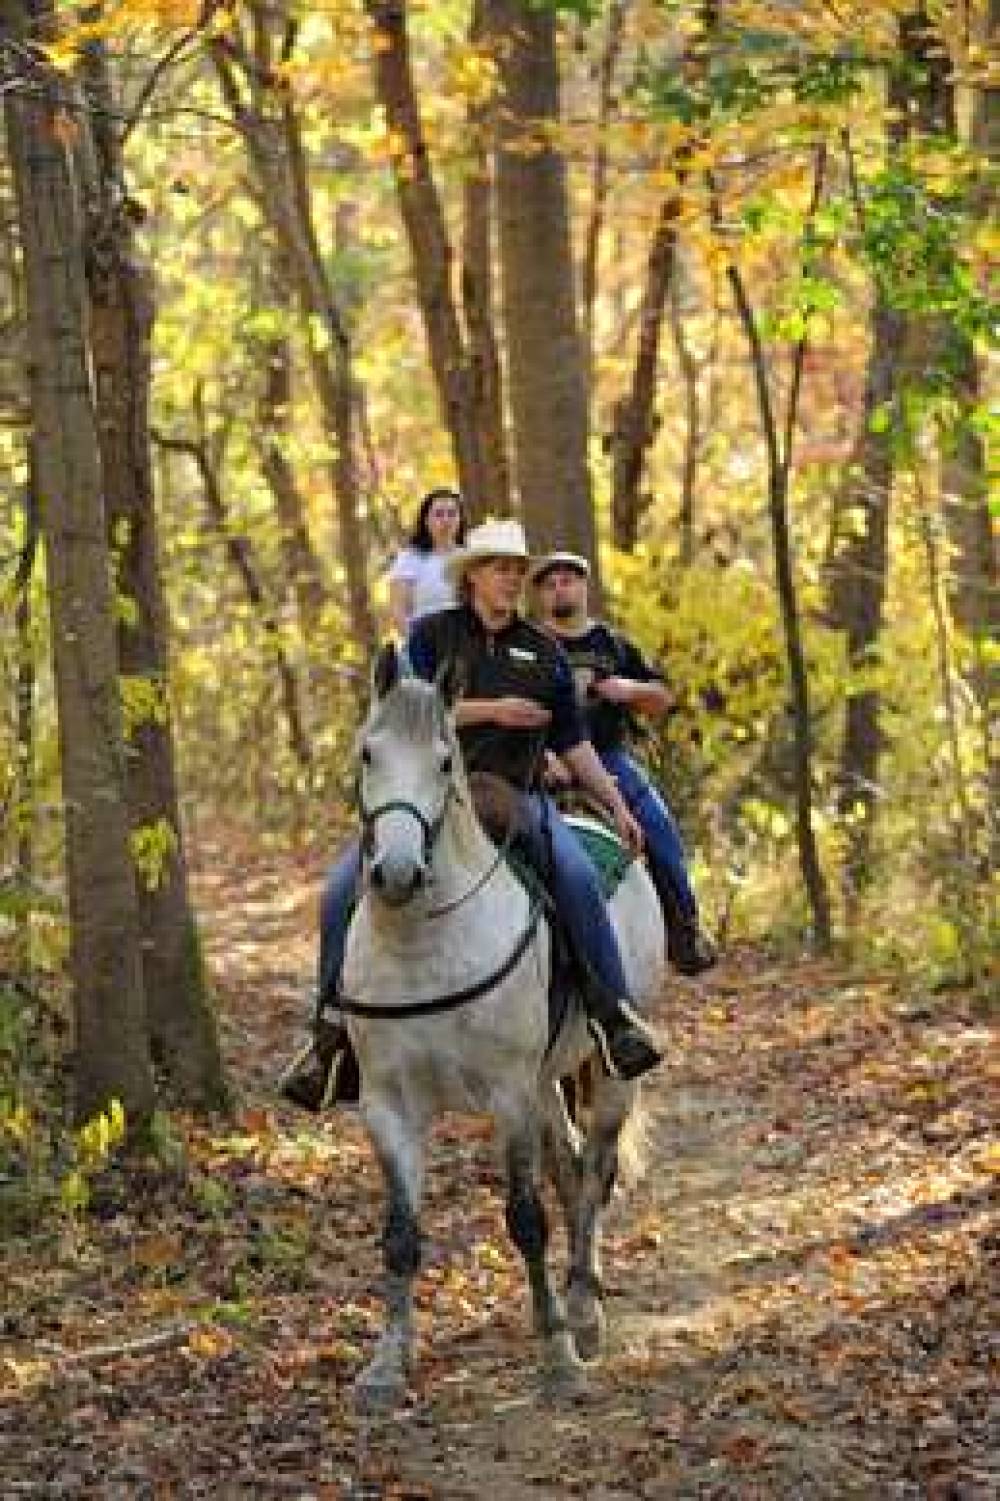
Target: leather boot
<point>689,949</point>
<point>625,1042</point>
<point>325,1072</point>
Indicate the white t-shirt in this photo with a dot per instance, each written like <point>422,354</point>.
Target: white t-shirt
<point>430,586</point>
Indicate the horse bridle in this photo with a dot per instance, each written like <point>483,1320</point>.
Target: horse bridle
<point>430,828</point>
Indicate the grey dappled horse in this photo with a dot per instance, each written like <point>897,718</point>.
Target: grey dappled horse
<point>445,995</point>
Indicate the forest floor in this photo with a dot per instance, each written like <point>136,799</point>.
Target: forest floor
<point>804,1292</point>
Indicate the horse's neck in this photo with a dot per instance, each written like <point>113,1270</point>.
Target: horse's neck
<point>464,852</point>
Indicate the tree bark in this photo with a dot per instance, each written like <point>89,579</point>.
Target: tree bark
<point>302,565</point>
<point>692,431</point>
<point>24,777</point>
<point>112,1054</point>
<point>264,113</point>
<point>122,313</point>
<point>974,575</point>
<point>430,248</point>
<point>859,576</point>
<point>610,53</point>
<point>634,422</point>
<point>779,458</point>
<point>477,307</point>
<point>545,356</point>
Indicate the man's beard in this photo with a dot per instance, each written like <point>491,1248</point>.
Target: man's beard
<point>564,611</point>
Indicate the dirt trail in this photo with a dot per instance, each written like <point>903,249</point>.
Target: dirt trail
<point>803,1295</point>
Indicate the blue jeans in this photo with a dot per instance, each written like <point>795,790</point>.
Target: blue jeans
<point>575,891</point>
<point>664,847</point>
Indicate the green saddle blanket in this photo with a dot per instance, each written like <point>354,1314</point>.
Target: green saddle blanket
<point>609,857</point>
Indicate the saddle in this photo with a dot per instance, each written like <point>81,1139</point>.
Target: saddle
<point>500,811</point>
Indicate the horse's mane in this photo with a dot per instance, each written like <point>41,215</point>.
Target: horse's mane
<point>413,709</point>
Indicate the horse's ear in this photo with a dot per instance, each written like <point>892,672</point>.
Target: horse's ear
<point>448,680</point>
<point>385,673</point>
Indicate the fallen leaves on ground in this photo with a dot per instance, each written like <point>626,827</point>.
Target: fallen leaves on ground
<point>804,1292</point>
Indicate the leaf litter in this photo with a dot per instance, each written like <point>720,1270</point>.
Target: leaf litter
<point>804,1291</point>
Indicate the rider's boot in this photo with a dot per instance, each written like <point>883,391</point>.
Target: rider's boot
<point>689,948</point>
<point>325,1072</point>
<point>627,1045</point>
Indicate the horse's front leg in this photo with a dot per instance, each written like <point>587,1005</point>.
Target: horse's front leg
<point>399,1144</point>
<point>598,1171</point>
<point>526,1222</point>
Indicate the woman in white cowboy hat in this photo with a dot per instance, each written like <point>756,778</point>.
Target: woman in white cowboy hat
<point>516,699</point>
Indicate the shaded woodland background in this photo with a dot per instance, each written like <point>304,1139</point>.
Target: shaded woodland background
<point>703,290</point>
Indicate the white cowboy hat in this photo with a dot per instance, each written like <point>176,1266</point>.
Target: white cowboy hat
<point>491,539</point>
<point>574,560</point>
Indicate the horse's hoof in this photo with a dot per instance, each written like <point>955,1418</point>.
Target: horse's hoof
<point>563,1375</point>
<point>588,1327</point>
<point>589,1337</point>
<point>377,1391</point>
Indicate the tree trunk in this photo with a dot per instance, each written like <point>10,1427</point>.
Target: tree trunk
<point>122,313</point>
<point>692,431</point>
<point>634,421</point>
<point>302,565</point>
<point>917,97</point>
<point>430,249</point>
<point>974,585</point>
<point>859,571</point>
<point>24,778</point>
<point>477,307</point>
<point>112,1054</point>
<point>779,468</point>
<point>610,53</point>
<point>545,357</point>
<point>276,153</point>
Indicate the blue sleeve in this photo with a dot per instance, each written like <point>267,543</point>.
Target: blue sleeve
<point>566,728</point>
<point>421,652</point>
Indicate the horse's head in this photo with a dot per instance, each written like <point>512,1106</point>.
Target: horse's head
<point>408,763</point>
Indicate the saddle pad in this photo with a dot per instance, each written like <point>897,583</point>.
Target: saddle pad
<point>609,857</point>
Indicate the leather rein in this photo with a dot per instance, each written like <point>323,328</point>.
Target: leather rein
<point>430,830</point>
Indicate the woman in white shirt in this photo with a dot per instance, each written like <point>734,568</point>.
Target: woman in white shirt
<point>418,580</point>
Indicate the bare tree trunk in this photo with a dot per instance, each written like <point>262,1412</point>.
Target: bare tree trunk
<point>974,578</point>
<point>276,153</point>
<point>634,421</point>
<point>610,53</point>
<point>302,565</point>
<point>477,306</point>
<point>859,573</point>
<point>24,778</point>
<point>546,368</point>
<point>779,456</point>
<point>122,313</point>
<point>692,430</point>
<point>112,1054</point>
<point>431,253</point>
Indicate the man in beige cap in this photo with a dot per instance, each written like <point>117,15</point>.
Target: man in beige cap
<point>515,700</point>
<point>615,683</point>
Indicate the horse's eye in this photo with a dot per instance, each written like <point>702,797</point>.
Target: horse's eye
<point>446,764</point>
<point>366,755</point>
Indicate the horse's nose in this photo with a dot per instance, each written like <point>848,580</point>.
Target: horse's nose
<point>397,880</point>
